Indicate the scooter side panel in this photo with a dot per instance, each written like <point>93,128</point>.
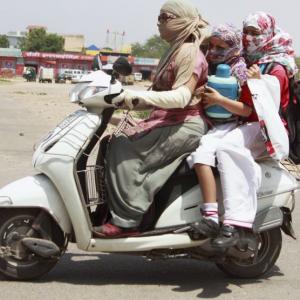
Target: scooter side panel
<point>36,191</point>
<point>275,179</point>
<point>185,209</point>
<point>275,190</point>
<point>58,163</point>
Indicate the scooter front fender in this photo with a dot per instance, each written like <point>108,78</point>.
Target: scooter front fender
<point>36,192</point>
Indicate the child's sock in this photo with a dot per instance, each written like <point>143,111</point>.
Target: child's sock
<point>210,211</point>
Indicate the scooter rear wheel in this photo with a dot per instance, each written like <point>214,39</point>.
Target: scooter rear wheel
<point>16,261</point>
<point>268,251</point>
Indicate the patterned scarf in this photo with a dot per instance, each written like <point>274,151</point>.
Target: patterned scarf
<point>231,56</point>
<point>271,45</point>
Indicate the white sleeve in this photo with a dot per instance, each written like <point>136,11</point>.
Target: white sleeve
<point>178,98</point>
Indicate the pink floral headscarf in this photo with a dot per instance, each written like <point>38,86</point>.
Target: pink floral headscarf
<point>232,56</point>
<point>272,45</point>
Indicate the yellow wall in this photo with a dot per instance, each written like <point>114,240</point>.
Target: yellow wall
<point>74,43</point>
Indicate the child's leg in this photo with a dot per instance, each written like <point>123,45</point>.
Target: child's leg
<point>239,173</point>
<point>207,183</point>
<point>240,179</point>
<point>202,160</point>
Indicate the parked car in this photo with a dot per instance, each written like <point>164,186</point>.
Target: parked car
<point>127,80</point>
<point>46,75</point>
<point>68,74</point>
<point>77,74</point>
<point>60,78</point>
<point>138,76</point>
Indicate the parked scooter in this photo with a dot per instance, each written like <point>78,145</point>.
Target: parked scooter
<point>40,214</point>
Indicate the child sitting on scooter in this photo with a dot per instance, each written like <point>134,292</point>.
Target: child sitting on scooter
<point>241,142</point>
<point>225,46</point>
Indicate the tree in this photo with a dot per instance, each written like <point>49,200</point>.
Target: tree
<point>4,43</point>
<point>153,48</point>
<point>53,43</point>
<point>38,40</point>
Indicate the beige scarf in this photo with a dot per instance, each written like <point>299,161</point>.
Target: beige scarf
<point>187,24</point>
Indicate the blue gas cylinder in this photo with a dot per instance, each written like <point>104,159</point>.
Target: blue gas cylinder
<point>227,86</point>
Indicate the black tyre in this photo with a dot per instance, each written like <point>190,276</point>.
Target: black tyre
<point>268,251</point>
<point>19,263</point>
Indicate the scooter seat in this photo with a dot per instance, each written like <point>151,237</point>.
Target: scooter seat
<point>184,170</point>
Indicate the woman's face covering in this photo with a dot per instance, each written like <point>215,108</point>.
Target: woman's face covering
<point>163,24</point>
<point>253,39</point>
<point>218,50</point>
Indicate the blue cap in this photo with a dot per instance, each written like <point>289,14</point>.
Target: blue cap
<point>223,70</point>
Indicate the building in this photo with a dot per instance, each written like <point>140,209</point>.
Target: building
<point>11,62</point>
<point>57,61</point>
<point>146,66</point>
<point>15,38</point>
<point>74,43</point>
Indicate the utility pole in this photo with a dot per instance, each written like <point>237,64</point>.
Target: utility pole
<point>118,40</point>
<point>114,39</point>
<point>107,38</point>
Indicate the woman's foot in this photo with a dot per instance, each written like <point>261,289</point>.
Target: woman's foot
<point>228,237</point>
<point>110,230</point>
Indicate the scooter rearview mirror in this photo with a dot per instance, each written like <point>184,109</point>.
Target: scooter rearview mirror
<point>122,66</point>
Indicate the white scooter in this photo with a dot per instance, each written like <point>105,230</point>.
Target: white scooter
<point>40,214</point>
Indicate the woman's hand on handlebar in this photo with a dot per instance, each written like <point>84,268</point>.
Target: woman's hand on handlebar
<point>127,99</point>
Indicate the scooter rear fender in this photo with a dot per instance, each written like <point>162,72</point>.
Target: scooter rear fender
<point>36,192</point>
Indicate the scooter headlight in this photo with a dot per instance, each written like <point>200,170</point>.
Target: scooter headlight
<point>78,88</point>
<point>90,91</point>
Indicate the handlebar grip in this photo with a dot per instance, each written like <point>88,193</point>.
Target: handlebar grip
<point>135,101</point>
<point>120,104</point>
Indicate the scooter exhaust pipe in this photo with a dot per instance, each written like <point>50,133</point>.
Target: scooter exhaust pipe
<point>43,248</point>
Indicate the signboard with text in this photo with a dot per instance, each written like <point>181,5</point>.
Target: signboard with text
<point>56,56</point>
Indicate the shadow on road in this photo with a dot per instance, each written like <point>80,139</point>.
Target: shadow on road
<point>183,275</point>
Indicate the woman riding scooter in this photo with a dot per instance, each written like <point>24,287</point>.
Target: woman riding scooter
<point>141,160</point>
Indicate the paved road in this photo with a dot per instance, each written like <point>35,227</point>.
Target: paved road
<point>89,276</point>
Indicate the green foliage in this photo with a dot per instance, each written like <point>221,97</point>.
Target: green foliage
<point>298,61</point>
<point>143,114</point>
<point>4,43</point>
<point>153,48</point>
<point>39,40</point>
<point>54,43</point>
<point>106,49</point>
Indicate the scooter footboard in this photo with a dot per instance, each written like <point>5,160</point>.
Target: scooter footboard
<point>36,192</point>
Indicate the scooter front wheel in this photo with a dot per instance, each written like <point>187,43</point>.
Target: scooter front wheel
<point>269,248</point>
<point>16,261</point>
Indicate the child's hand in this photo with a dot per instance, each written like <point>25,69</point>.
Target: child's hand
<point>211,97</point>
<point>198,93</point>
<point>253,72</point>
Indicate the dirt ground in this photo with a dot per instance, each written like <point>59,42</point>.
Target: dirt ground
<point>28,111</point>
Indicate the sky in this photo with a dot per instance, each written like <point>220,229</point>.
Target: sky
<point>137,18</point>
